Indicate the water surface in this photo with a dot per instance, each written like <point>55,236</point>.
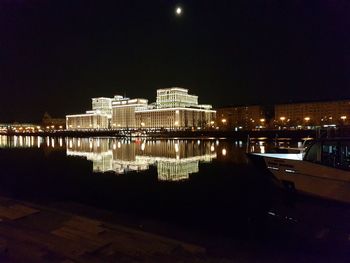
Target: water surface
<point>207,186</point>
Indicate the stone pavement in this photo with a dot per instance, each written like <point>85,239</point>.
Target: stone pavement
<point>32,233</point>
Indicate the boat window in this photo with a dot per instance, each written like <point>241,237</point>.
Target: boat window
<point>330,154</point>
<point>314,153</point>
<point>345,155</point>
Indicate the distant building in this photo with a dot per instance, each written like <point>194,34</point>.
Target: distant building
<point>55,123</point>
<point>175,109</point>
<point>88,120</point>
<point>97,118</point>
<point>175,97</point>
<point>124,111</point>
<point>299,115</point>
<point>19,127</point>
<point>241,118</point>
<point>102,105</point>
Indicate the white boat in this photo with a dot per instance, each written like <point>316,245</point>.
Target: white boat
<point>323,169</point>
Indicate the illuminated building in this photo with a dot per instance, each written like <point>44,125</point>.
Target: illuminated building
<point>88,120</point>
<point>175,97</point>
<point>294,115</point>
<point>102,105</point>
<point>241,118</point>
<point>19,128</point>
<point>175,109</point>
<point>97,118</point>
<point>124,111</point>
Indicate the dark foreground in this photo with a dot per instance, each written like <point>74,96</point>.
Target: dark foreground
<point>31,233</point>
<point>68,232</point>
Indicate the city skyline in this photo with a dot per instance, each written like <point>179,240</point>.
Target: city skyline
<point>229,53</point>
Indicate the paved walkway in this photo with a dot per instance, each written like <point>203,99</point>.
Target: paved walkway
<point>31,233</point>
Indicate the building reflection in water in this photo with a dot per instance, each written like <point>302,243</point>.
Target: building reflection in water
<point>175,159</point>
<point>20,141</point>
<point>24,141</point>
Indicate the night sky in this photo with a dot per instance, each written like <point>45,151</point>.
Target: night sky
<point>56,55</point>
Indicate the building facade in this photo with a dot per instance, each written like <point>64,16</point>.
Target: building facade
<point>49,122</point>
<point>97,118</point>
<point>124,111</point>
<point>175,97</point>
<point>102,105</point>
<point>312,114</point>
<point>174,109</point>
<point>241,118</point>
<point>174,118</point>
<point>88,120</point>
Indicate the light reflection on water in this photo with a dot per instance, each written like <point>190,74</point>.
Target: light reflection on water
<point>23,141</point>
<point>175,159</point>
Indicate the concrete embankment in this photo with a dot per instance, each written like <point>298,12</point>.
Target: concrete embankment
<point>33,233</point>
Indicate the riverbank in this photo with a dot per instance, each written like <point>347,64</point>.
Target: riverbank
<point>35,233</point>
<point>72,232</point>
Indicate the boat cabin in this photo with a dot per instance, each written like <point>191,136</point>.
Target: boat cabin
<point>330,152</point>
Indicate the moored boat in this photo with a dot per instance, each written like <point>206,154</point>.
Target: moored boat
<point>323,169</point>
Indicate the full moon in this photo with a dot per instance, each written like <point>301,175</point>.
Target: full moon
<point>178,11</point>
